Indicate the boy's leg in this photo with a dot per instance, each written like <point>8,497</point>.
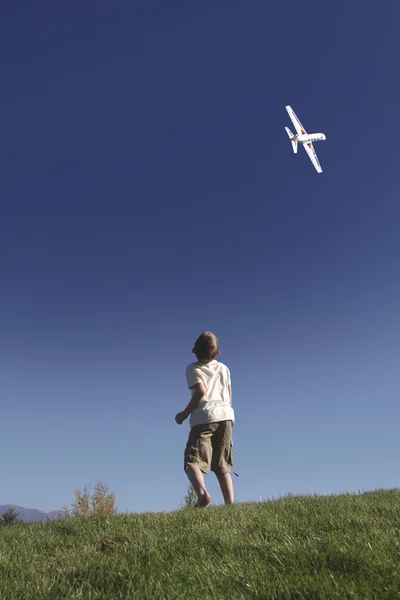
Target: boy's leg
<point>196,478</point>
<point>226,485</point>
<point>222,460</point>
<point>198,455</point>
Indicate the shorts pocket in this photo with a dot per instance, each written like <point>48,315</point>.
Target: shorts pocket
<point>231,455</point>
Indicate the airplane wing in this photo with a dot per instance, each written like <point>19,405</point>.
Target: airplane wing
<point>299,127</point>
<point>309,148</point>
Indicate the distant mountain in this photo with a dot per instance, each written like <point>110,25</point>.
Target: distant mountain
<point>31,515</point>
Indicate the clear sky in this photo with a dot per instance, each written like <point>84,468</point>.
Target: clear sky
<point>149,192</point>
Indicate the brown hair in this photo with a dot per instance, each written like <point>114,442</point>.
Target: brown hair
<point>206,347</point>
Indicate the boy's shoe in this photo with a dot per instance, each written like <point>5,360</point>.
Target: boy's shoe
<point>203,501</point>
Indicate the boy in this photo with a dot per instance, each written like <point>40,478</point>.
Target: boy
<point>212,417</point>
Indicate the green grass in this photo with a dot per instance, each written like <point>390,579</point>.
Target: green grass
<point>344,546</point>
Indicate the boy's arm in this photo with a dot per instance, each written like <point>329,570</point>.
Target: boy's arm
<point>230,392</point>
<point>198,393</point>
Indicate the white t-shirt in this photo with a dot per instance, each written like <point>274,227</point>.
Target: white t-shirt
<point>216,404</point>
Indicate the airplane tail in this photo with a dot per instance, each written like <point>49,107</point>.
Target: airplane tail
<point>292,139</point>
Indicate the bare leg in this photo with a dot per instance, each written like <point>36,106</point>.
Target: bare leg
<point>196,478</point>
<point>226,485</point>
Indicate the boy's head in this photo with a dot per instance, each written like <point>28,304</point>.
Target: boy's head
<point>206,347</point>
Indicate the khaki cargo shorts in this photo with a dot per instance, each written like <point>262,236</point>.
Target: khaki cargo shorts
<point>210,445</point>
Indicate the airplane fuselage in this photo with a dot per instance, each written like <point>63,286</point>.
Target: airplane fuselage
<point>306,138</point>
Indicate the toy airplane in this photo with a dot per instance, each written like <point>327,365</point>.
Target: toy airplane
<point>304,138</point>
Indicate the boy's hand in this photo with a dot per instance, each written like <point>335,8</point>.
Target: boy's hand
<point>180,417</point>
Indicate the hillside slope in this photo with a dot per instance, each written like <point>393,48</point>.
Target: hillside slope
<point>344,546</point>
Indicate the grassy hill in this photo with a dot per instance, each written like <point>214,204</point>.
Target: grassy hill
<point>297,547</point>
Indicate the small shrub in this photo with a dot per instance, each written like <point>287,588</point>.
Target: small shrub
<point>100,503</point>
<point>190,498</point>
<point>10,517</point>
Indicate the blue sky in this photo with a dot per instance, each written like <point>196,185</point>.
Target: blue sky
<point>149,192</point>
